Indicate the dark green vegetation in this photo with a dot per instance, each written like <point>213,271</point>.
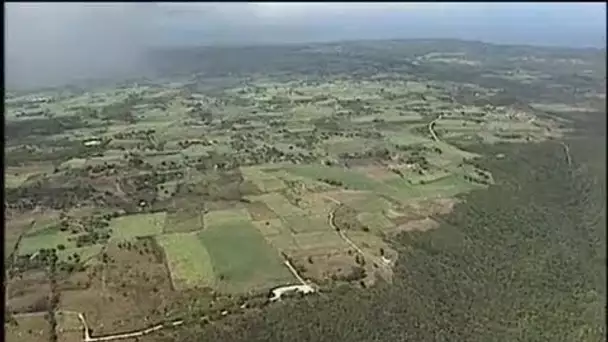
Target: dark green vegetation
<point>431,190</point>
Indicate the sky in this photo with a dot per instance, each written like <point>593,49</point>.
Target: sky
<point>57,42</point>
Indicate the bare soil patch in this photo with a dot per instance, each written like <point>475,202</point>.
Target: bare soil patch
<point>259,211</point>
<point>377,172</point>
<point>130,291</point>
<point>28,329</point>
<point>29,292</point>
<point>418,225</point>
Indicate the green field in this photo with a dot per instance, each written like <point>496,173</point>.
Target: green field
<point>183,221</point>
<point>50,238</point>
<point>242,259</point>
<point>279,204</point>
<point>188,260</point>
<point>375,221</point>
<point>86,254</point>
<point>221,218</point>
<point>329,240</point>
<point>139,225</point>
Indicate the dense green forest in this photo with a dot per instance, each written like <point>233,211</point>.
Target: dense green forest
<point>521,261</point>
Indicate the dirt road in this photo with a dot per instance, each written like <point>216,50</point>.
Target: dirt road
<point>432,130</point>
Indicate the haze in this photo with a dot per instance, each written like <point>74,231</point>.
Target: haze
<point>50,44</point>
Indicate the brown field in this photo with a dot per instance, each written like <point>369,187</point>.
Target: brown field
<point>319,240</point>
<point>325,263</point>
<point>29,292</point>
<point>438,206</point>
<point>223,205</point>
<point>71,336</point>
<point>259,211</point>
<point>28,329</point>
<point>130,292</point>
<point>377,172</point>
<point>417,225</point>
<point>316,203</point>
<point>270,227</point>
<point>371,245</point>
<point>19,224</point>
<point>283,242</point>
<point>69,328</point>
<point>183,221</point>
<point>301,223</point>
<point>345,196</point>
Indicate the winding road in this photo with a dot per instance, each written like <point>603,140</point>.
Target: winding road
<point>567,151</point>
<point>431,130</point>
<point>349,241</point>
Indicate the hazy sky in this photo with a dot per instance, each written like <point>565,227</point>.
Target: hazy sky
<point>50,42</point>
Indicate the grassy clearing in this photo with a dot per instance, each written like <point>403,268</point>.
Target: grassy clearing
<point>283,242</point>
<point>377,172</point>
<point>242,259</point>
<point>306,223</point>
<point>405,138</point>
<point>369,202</point>
<point>263,181</point>
<point>166,190</point>
<point>189,262</point>
<point>559,107</point>
<point>14,176</point>
<point>86,253</point>
<point>372,244</point>
<point>320,240</point>
<point>259,211</point>
<point>74,163</point>
<point>270,227</point>
<point>349,178</point>
<point>305,183</point>
<point>12,180</point>
<point>220,218</point>
<point>44,239</point>
<point>316,204</point>
<point>68,322</point>
<point>375,221</point>
<point>446,187</point>
<point>415,178</point>
<point>28,329</point>
<point>279,204</point>
<point>132,226</point>
<point>347,145</point>
<point>269,184</point>
<point>183,221</point>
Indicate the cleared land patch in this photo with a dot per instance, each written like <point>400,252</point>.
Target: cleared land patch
<point>263,181</point>
<point>183,221</point>
<point>279,204</point>
<point>375,221</point>
<point>320,240</point>
<point>44,239</point>
<point>132,226</point>
<point>28,329</point>
<point>270,227</point>
<point>306,223</point>
<point>228,217</point>
<point>259,211</point>
<point>377,172</point>
<point>189,262</point>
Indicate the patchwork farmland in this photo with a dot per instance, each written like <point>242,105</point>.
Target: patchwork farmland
<point>183,201</point>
